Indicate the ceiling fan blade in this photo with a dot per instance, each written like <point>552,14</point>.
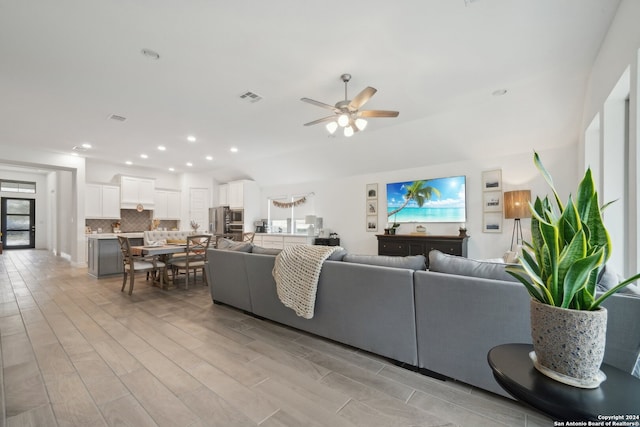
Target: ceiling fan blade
<point>361,98</point>
<point>320,104</point>
<point>322,120</point>
<point>378,113</point>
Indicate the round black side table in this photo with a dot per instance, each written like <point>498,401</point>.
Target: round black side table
<point>617,398</point>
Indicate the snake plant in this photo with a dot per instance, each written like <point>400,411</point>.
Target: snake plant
<point>569,247</point>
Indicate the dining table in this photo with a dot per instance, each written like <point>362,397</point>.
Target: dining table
<point>164,252</point>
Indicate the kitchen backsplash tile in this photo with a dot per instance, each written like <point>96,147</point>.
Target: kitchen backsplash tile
<point>131,220</point>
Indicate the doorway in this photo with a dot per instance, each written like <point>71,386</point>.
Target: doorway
<point>17,223</point>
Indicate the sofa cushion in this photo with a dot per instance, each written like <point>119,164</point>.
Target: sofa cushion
<point>608,278</point>
<point>413,262</point>
<point>337,255</point>
<point>452,264</point>
<point>265,251</point>
<point>232,245</point>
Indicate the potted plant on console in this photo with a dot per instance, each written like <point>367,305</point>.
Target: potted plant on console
<point>560,267</point>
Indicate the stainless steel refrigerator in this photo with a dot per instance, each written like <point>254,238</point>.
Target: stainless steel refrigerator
<point>219,219</point>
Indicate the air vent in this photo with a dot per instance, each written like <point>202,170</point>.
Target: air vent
<point>117,118</point>
<point>250,96</point>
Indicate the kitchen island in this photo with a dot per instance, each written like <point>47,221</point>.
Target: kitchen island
<point>104,256</point>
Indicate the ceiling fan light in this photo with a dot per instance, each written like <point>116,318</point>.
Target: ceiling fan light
<point>361,124</point>
<point>348,131</point>
<point>343,120</point>
<point>331,127</point>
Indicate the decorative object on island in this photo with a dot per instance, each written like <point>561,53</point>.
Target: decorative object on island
<point>516,206</point>
<point>194,226</point>
<point>372,207</point>
<point>412,200</point>
<point>492,201</point>
<point>560,267</point>
<point>310,220</point>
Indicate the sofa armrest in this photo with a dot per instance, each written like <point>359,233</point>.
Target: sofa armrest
<point>228,281</point>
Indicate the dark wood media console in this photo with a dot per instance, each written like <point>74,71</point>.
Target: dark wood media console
<point>413,244</point>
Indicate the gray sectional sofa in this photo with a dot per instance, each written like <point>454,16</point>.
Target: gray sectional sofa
<point>432,320</point>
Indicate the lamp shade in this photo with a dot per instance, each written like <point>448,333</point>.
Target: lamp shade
<point>516,204</point>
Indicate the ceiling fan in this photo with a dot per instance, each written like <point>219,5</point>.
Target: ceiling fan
<point>347,113</point>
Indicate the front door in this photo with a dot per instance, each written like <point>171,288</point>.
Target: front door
<point>18,223</point>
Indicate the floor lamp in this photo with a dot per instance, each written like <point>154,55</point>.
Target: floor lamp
<point>516,206</point>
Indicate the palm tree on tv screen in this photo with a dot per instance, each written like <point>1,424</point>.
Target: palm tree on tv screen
<point>419,192</point>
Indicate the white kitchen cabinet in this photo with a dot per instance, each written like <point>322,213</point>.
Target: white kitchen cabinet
<point>136,191</point>
<point>223,195</point>
<point>297,240</point>
<point>167,204</point>
<point>102,201</point>
<point>281,241</point>
<point>236,194</point>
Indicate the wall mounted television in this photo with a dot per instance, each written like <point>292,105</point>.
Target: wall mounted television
<point>444,200</point>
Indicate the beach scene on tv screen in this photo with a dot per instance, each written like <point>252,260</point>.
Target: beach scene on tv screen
<point>443,200</point>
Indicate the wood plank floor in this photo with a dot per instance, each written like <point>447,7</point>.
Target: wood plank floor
<point>76,351</point>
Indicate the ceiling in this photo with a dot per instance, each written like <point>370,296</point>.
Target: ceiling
<point>66,66</point>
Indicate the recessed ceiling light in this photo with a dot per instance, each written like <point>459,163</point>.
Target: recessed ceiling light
<point>209,157</point>
<point>234,149</point>
<point>499,92</point>
<point>162,147</point>
<point>144,156</point>
<point>128,162</point>
<point>191,138</point>
<point>171,169</point>
<point>189,164</point>
<point>150,53</point>
<point>86,145</point>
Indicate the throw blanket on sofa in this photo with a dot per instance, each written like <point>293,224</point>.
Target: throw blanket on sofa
<point>296,272</point>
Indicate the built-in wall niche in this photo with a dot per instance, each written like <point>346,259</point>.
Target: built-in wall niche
<point>291,214</point>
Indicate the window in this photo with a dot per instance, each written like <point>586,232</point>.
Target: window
<point>18,186</point>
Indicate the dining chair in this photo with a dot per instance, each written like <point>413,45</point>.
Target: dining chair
<point>195,260</point>
<point>133,264</point>
<point>248,237</point>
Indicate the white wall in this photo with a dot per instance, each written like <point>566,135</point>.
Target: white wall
<point>619,51</point>
<point>109,173</point>
<point>341,202</point>
<point>75,165</point>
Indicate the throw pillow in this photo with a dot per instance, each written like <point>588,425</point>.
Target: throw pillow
<point>338,255</point>
<point>224,243</point>
<point>413,262</point>
<point>240,247</point>
<point>451,264</point>
<point>265,251</point>
<point>608,278</point>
